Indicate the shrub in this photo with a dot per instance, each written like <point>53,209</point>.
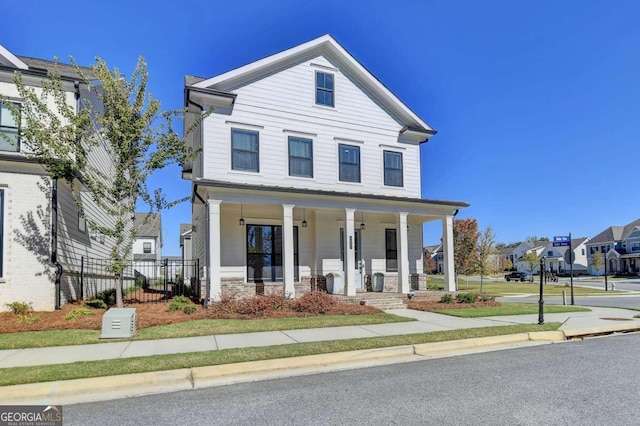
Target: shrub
<point>77,313</point>
<point>189,309</point>
<point>315,302</point>
<point>446,298</point>
<point>19,308</point>
<point>181,299</point>
<point>487,298</point>
<point>95,304</point>
<point>28,318</point>
<point>178,303</point>
<point>466,297</point>
<point>261,304</point>
<point>108,296</point>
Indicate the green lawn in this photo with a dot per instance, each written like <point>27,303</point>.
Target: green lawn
<point>503,288</point>
<point>509,309</point>
<point>77,370</point>
<point>40,339</point>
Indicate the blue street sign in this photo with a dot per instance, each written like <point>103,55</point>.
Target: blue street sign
<point>561,241</point>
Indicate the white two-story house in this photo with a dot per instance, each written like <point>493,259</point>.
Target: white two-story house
<point>43,233</point>
<point>147,247</point>
<point>308,166</point>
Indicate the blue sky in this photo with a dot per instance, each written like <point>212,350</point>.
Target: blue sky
<point>537,104</point>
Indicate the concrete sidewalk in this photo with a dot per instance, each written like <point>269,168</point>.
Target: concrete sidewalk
<point>599,320</point>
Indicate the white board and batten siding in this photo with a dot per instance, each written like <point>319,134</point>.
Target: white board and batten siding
<point>283,104</point>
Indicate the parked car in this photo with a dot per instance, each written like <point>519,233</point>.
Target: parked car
<point>517,276</point>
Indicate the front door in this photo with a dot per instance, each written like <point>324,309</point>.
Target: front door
<point>264,253</point>
<point>358,260</point>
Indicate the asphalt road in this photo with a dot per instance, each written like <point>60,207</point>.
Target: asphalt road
<point>628,302</point>
<point>591,382</point>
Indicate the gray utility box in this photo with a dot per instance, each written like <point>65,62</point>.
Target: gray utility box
<point>118,323</point>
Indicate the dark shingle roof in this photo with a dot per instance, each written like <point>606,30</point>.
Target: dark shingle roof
<point>614,233</point>
<point>147,225</point>
<point>65,70</point>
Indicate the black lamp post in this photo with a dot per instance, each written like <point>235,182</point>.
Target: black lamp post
<point>541,301</point>
<point>573,302</point>
<point>606,284</point>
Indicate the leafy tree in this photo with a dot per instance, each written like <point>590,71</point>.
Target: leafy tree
<point>483,249</point>
<point>535,238</point>
<point>597,262</point>
<point>508,265</point>
<point>531,259</point>
<point>465,239</point>
<point>127,122</point>
<point>429,262</point>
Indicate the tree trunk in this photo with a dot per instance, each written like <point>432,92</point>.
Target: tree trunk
<point>119,286</point>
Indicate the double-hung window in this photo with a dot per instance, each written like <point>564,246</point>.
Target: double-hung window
<point>393,168</point>
<point>391,250</point>
<point>146,248</point>
<point>245,150</point>
<point>349,158</point>
<point>300,157</point>
<point>324,89</point>
<point>8,130</point>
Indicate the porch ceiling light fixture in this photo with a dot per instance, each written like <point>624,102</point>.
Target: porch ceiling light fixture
<point>304,218</point>
<point>241,221</point>
<point>362,225</point>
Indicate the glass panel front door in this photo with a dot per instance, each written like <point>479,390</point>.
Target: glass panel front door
<point>264,253</point>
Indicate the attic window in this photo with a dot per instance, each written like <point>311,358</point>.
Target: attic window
<point>324,89</point>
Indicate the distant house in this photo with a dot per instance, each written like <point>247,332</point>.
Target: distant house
<point>535,247</point>
<point>147,247</point>
<point>308,166</point>
<point>44,235</point>
<point>621,247</point>
<point>435,252</point>
<point>557,259</point>
<point>185,241</point>
<point>505,255</point>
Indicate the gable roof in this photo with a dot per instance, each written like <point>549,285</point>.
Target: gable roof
<point>325,44</point>
<point>614,233</point>
<point>40,67</point>
<point>10,60</point>
<point>147,225</point>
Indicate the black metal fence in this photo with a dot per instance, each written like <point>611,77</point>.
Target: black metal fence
<point>144,281</point>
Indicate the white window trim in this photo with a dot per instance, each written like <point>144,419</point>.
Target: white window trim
<point>403,187</point>
<point>230,157</point>
<point>338,181</point>
<point>315,88</point>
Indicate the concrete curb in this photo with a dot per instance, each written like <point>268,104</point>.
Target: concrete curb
<point>606,329</point>
<point>128,385</point>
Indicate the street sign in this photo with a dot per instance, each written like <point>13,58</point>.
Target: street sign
<point>561,241</point>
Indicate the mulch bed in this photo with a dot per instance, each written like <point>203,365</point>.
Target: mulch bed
<point>151,314</point>
<point>439,306</point>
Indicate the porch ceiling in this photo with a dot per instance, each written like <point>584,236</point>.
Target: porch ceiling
<point>309,198</point>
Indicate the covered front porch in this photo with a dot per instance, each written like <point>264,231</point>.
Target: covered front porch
<point>265,240</point>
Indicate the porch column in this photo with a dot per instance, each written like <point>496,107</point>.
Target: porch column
<point>403,254</point>
<point>215,287</point>
<point>287,250</point>
<point>447,253</point>
<point>349,263</point>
